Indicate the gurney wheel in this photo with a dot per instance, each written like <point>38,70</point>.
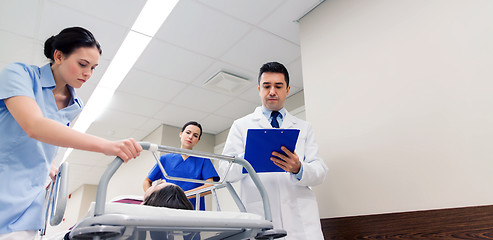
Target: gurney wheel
<point>103,232</point>
<point>271,234</point>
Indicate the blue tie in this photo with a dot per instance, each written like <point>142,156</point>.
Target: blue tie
<point>274,122</point>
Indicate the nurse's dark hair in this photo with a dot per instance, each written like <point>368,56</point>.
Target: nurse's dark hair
<point>195,124</point>
<point>171,196</point>
<point>274,67</point>
<point>68,40</point>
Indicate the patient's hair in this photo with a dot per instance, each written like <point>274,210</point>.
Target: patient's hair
<point>170,196</point>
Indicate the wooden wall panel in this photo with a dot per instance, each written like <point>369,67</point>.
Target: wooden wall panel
<point>454,223</point>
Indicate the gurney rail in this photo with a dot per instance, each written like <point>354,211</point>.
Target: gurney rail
<point>56,198</point>
<point>105,178</point>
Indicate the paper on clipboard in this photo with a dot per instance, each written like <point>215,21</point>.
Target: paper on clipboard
<point>260,143</point>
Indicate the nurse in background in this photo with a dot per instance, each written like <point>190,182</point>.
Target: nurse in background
<point>184,166</point>
<point>36,105</point>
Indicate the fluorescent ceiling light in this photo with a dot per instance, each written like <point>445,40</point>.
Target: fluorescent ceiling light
<point>130,50</point>
<point>145,27</point>
<point>153,15</point>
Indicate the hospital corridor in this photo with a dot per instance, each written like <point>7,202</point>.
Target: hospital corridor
<point>246,119</point>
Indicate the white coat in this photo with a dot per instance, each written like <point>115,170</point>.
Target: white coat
<point>293,204</point>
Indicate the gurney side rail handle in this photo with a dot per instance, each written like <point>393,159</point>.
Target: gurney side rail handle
<point>103,183</point>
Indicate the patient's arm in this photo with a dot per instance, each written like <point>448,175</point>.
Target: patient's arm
<point>201,187</point>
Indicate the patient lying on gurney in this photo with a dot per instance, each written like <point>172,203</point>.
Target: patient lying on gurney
<point>162,194</point>
<point>167,195</point>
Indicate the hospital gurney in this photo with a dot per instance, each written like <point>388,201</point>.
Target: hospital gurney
<point>135,222</point>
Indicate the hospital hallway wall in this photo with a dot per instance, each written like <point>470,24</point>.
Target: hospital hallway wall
<point>400,97</point>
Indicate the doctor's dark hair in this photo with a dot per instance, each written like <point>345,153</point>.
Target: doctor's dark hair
<point>68,40</point>
<point>274,67</point>
<point>171,196</point>
<point>192,123</point>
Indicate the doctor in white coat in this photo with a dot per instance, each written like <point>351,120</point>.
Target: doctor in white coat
<point>293,204</point>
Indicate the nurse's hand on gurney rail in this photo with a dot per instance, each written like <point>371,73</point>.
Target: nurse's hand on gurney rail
<point>289,161</point>
<point>53,172</point>
<point>125,149</point>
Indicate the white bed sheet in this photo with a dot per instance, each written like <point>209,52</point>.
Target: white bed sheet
<point>149,211</point>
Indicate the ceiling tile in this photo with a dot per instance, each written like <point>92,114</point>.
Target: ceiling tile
<point>166,60</point>
<point>121,119</point>
<point>86,158</point>
<point>109,35</point>
<point>37,57</point>
<point>109,131</point>
<point>16,48</point>
<point>139,135</point>
<point>259,47</point>
<point>151,86</point>
<point>201,29</point>
<point>149,125</point>
<point>251,95</point>
<point>283,23</point>
<point>200,99</point>
<point>177,116</point>
<point>133,104</point>
<point>251,11</point>
<point>236,109</point>
<point>121,12</point>
<point>216,124</point>
<point>220,66</point>
<point>19,17</point>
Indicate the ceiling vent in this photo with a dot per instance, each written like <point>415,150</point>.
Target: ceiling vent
<point>227,82</point>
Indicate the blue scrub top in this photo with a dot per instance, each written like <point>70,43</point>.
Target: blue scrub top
<point>25,162</point>
<point>192,167</point>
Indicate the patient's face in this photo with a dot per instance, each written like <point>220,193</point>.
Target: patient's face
<point>156,188</point>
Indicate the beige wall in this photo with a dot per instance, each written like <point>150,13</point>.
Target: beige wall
<point>400,97</point>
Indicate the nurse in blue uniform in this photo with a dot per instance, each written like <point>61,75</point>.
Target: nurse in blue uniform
<point>36,106</point>
<point>184,166</point>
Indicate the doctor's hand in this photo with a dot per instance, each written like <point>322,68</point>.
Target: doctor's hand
<point>290,161</point>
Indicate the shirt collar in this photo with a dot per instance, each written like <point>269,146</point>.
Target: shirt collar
<point>75,98</point>
<point>47,81</point>
<point>46,77</point>
<point>267,112</point>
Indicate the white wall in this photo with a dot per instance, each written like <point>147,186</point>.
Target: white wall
<point>400,95</point>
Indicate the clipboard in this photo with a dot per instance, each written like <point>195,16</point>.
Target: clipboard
<point>260,143</point>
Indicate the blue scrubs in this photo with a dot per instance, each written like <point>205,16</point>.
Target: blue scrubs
<point>25,163</point>
<point>192,167</point>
